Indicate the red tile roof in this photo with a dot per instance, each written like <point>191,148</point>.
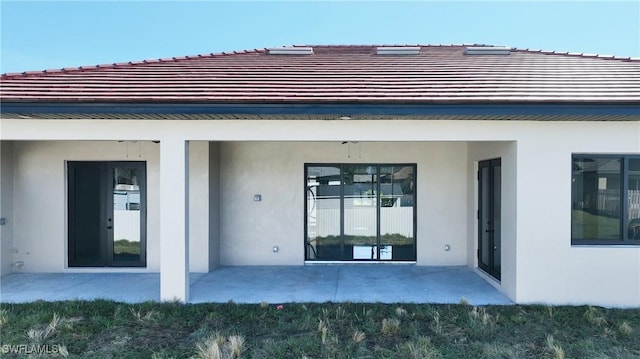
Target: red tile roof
<point>339,74</point>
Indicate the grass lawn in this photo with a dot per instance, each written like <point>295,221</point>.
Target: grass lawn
<point>105,329</point>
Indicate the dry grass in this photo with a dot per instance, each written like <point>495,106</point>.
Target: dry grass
<point>358,336</point>
<point>210,348</point>
<point>550,311</point>
<point>421,349</point>
<point>39,335</point>
<point>625,328</point>
<point>323,329</point>
<point>143,316</point>
<point>62,351</point>
<point>555,348</point>
<point>401,312</point>
<point>480,315</point>
<point>390,326</point>
<point>236,344</point>
<point>340,312</point>
<point>595,316</point>
<point>4,318</point>
<point>436,326</point>
<point>217,346</point>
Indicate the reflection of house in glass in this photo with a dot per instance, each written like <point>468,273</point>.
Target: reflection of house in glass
<point>600,195</point>
<point>599,182</point>
<point>126,197</point>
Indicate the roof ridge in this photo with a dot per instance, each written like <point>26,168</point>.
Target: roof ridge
<point>550,52</point>
<point>260,50</point>
<point>391,45</point>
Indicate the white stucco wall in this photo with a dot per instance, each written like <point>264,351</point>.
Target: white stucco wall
<point>541,266</point>
<point>39,175</point>
<point>276,171</point>
<point>214,205</point>
<point>549,268</point>
<point>40,188</point>
<point>507,152</point>
<point>199,206</point>
<point>6,207</point>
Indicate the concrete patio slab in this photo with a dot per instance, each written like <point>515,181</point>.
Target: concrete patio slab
<point>271,284</point>
<point>122,287</point>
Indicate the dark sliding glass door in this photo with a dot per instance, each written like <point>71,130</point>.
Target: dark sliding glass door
<point>106,214</point>
<point>360,212</point>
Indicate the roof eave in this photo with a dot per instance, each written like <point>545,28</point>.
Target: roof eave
<point>630,108</point>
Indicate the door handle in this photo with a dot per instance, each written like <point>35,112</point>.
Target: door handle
<point>109,227</point>
<point>489,231</point>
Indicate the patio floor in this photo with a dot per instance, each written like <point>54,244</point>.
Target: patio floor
<point>272,284</point>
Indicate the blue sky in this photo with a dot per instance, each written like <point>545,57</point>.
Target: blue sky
<point>54,34</point>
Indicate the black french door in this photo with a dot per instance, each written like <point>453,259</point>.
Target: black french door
<point>489,212</point>
<point>106,214</point>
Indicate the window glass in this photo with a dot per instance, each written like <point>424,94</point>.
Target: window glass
<point>596,198</point>
<point>360,211</point>
<point>323,213</point>
<point>633,199</point>
<point>397,185</point>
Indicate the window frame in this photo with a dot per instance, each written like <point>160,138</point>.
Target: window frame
<point>624,205</point>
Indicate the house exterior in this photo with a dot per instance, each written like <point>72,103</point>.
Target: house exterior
<point>521,164</point>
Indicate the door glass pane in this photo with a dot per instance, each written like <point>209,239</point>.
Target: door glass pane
<point>595,192</point>
<point>633,199</point>
<point>323,213</point>
<point>126,214</point>
<point>497,204</point>
<point>397,188</point>
<point>485,220</point>
<point>360,212</point>
<point>86,229</point>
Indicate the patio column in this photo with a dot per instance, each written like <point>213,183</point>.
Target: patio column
<point>174,220</point>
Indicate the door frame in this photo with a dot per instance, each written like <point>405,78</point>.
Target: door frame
<point>491,227</point>
<point>107,211</point>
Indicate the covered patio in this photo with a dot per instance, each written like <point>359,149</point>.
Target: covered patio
<point>271,284</point>
<point>124,181</point>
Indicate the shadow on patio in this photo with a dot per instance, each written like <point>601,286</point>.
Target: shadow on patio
<point>272,284</point>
